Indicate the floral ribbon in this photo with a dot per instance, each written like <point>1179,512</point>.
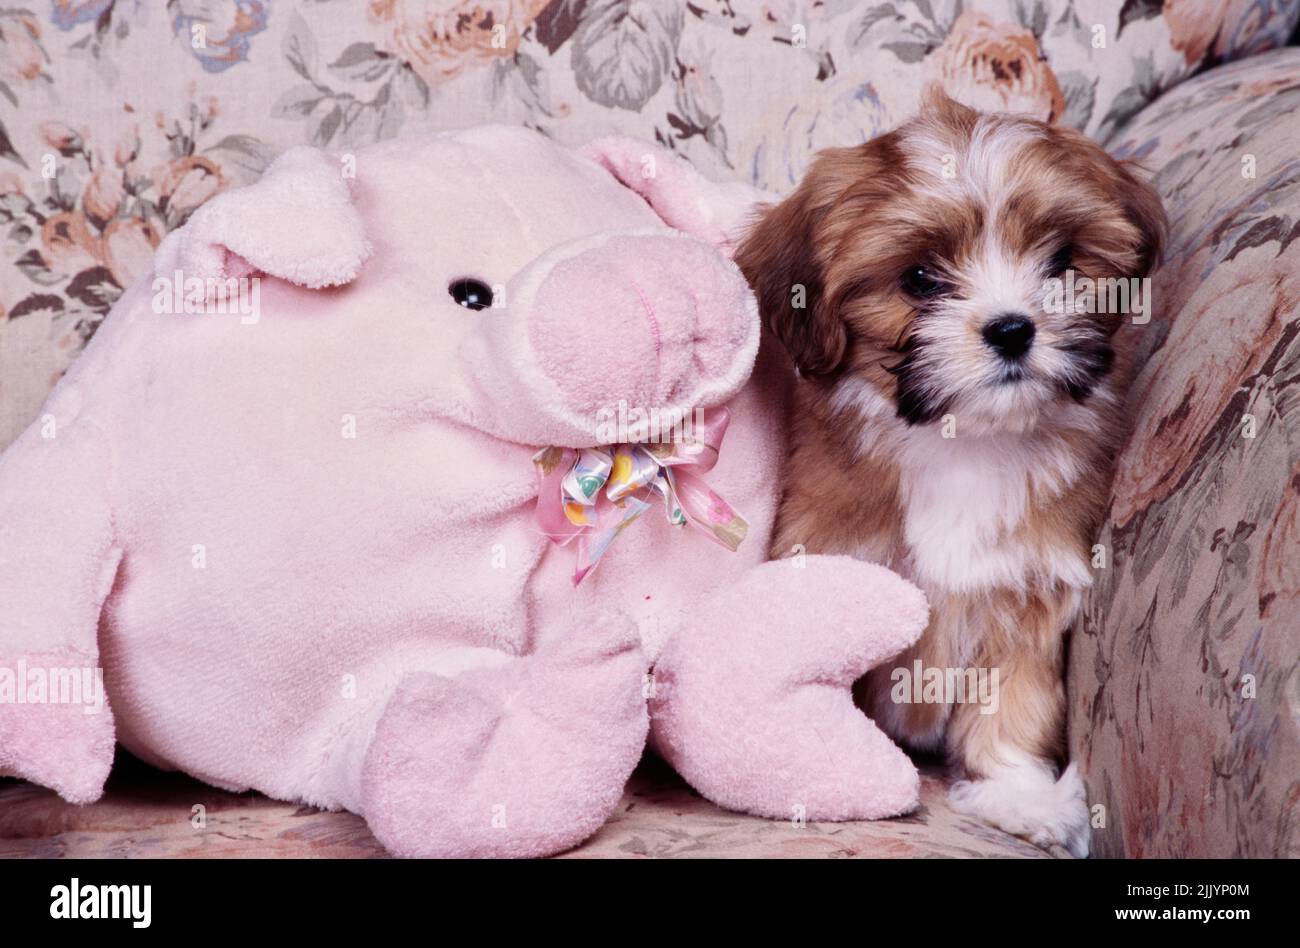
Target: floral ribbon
<point>592,495</point>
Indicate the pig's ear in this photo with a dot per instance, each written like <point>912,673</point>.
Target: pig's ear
<point>681,196</point>
<point>297,222</point>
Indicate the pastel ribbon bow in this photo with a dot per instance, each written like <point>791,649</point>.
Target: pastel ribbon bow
<point>591,495</point>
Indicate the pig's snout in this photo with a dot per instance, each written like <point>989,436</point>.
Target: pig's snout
<point>650,319</point>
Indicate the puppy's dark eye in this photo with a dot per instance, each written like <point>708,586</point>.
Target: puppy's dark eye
<point>471,293</point>
<point>922,282</point>
<point>1061,260</point>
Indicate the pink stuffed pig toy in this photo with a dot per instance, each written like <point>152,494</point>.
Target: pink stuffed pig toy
<point>301,537</point>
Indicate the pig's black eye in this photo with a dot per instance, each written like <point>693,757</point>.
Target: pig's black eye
<point>471,293</point>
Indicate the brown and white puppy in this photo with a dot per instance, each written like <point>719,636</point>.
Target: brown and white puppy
<point>951,424</point>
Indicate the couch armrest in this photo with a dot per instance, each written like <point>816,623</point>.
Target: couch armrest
<point>1184,684</point>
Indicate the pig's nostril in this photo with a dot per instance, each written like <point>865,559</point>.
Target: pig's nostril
<point>655,335</point>
<point>698,337</point>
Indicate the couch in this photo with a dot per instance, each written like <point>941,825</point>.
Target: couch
<point>119,117</point>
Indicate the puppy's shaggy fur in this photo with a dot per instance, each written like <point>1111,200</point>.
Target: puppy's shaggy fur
<point>950,424</point>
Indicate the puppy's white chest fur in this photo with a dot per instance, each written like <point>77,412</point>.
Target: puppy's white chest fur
<point>960,509</point>
<point>964,502</point>
<point>964,510</point>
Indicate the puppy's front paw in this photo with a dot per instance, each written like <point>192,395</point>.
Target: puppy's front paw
<point>1027,801</point>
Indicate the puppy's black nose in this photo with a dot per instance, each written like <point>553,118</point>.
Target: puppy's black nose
<point>1009,335</point>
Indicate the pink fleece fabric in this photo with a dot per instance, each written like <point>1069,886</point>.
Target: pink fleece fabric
<point>303,548</point>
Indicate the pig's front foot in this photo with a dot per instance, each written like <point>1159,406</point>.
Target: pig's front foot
<point>525,759</point>
<point>66,745</point>
<point>752,698</point>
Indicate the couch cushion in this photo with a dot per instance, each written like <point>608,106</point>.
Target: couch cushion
<point>146,813</point>
<point>1185,693</point>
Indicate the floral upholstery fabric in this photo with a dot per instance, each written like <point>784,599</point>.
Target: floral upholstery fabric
<point>119,117</point>
<point>145,813</point>
<point>1184,674</point>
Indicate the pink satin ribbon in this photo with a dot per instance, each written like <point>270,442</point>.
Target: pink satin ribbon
<point>592,495</point>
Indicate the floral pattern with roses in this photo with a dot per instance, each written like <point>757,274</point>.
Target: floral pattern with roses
<point>86,236</point>
<point>440,40</point>
<point>1001,66</point>
<point>739,89</point>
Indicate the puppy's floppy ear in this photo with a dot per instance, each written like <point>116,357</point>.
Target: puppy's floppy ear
<point>1144,209</point>
<point>297,222</point>
<point>779,259</point>
<point>1137,197</point>
<point>783,259</point>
